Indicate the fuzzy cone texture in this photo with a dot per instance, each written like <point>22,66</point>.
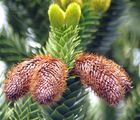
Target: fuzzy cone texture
<point>106,78</point>
<point>18,79</point>
<point>49,81</point>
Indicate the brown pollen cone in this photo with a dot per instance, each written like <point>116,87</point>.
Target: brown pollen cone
<point>105,77</point>
<point>18,79</point>
<point>49,81</point>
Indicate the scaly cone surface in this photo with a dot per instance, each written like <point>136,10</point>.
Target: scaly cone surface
<point>105,77</point>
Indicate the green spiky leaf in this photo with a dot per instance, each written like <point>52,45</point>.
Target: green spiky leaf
<point>12,48</point>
